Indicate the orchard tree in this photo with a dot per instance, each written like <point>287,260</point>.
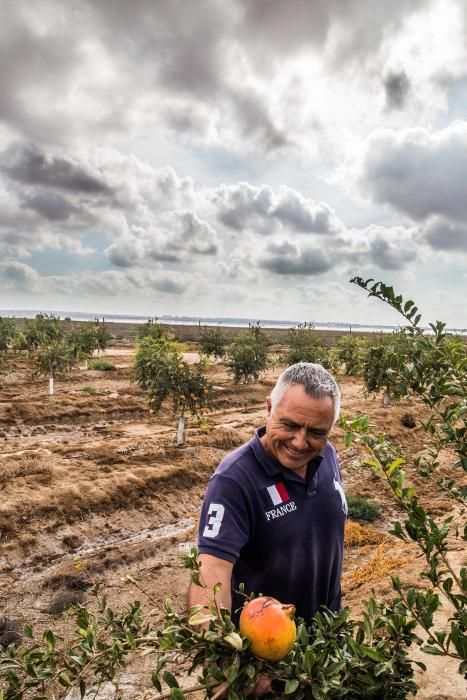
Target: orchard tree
<point>153,329</point>
<point>212,341</point>
<point>162,373</point>
<point>56,358</point>
<point>52,352</point>
<point>88,337</point>
<point>247,355</point>
<point>304,344</point>
<point>84,339</point>
<point>351,352</point>
<point>8,333</point>
<point>103,334</point>
<point>43,330</point>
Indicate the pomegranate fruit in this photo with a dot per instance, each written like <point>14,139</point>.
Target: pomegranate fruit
<point>269,626</point>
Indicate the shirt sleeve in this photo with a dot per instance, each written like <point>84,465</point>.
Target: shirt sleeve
<point>225,525</point>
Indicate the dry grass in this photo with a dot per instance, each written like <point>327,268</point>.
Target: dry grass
<point>385,559</point>
<point>25,465</point>
<point>224,438</point>
<point>357,535</point>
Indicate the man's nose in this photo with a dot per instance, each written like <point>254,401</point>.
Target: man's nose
<point>300,441</point>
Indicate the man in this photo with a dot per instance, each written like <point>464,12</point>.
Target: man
<point>274,511</point>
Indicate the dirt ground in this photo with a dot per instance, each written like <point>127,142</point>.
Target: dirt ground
<point>91,476</point>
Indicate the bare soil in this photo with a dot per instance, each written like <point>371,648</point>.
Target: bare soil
<point>93,488</point>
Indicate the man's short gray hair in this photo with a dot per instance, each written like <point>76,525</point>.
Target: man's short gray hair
<point>316,381</point>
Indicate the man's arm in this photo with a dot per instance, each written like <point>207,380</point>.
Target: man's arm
<point>213,570</point>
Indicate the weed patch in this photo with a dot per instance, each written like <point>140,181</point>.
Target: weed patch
<point>362,509</point>
<point>102,365</point>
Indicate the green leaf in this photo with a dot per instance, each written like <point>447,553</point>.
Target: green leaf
<point>291,686</point>
<point>49,639</point>
<point>27,631</point>
<point>372,654</point>
<point>394,465</point>
<point>177,694</point>
<point>64,680</point>
<point>200,618</point>
<point>156,682</point>
<point>434,651</point>
<point>234,640</point>
<point>170,679</point>
<point>447,585</point>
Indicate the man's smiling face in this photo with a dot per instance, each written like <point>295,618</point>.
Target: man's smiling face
<point>297,428</point>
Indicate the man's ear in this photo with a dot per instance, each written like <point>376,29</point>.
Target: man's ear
<point>268,406</point>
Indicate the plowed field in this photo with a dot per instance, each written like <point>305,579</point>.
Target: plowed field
<point>91,476</point>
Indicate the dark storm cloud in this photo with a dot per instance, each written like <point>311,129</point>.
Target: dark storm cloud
<point>199,53</point>
<point>288,261</point>
<point>419,173</point>
<point>253,119</point>
<point>238,204</point>
<point>34,62</point>
<point>50,205</point>
<point>29,165</point>
<point>443,235</point>
<point>388,256</point>
<point>397,88</point>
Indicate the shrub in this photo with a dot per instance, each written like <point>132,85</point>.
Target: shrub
<point>102,365</point>
<point>362,509</point>
<point>212,341</point>
<point>153,329</point>
<point>247,356</point>
<point>8,333</point>
<point>350,353</point>
<point>306,345</point>
<point>89,389</point>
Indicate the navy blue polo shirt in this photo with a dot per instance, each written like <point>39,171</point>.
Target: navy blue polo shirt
<point>283,534</point>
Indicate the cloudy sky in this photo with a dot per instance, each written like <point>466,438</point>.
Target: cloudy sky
<point>233,157</point>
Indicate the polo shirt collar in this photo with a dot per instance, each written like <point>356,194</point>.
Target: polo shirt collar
<point>272,466</point>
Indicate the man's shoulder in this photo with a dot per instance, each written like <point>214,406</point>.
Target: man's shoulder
<point>329,451</point>
<point>330,458</point>
<point>236,461</point>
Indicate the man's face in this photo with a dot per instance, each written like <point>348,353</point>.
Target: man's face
<point>297,428</point>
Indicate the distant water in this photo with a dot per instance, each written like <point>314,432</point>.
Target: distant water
<point>205,320</point>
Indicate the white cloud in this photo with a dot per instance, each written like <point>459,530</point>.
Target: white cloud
<point>419,173</point>
<point>16,275</point>
<point>243,206</point>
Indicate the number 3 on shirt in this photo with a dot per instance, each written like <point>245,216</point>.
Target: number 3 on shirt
<point>216,511</point>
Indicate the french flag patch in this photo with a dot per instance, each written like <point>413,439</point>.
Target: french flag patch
<point>278,493</point>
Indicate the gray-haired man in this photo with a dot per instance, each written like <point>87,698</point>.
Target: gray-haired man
<point>274,511</point>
